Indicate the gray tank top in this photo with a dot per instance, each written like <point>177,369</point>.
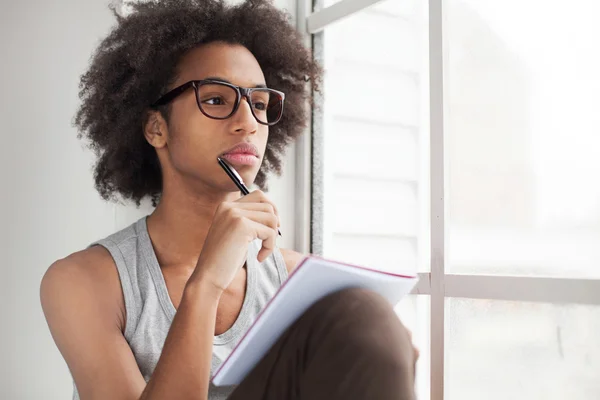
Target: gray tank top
<point>150,310</point>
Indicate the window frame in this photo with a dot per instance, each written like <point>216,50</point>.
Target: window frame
<point>439,285</point>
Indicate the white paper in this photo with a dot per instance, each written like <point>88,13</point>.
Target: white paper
<point>313,279</point>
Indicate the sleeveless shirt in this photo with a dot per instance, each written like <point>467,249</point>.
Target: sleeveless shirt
<point>150,310</point>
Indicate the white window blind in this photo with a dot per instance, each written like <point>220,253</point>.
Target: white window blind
<point>375,150</point>
<point>375,137</point>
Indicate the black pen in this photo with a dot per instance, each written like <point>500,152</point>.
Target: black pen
<point>236,178</point>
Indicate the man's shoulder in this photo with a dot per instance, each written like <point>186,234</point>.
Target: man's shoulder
<point>87,277</point>
<point>292,258</point>
<point>89,263</point>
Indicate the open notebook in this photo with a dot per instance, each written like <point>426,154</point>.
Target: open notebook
<point>312,279</point>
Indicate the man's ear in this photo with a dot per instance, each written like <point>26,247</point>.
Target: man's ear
<point>156,129</point>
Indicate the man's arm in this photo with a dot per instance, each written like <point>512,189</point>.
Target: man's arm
<point>83,302</point>
<point>84,311</point>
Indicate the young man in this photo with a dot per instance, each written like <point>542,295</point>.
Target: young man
<point>151,310</point>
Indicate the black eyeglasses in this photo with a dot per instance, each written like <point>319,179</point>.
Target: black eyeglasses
<point>220,100</point>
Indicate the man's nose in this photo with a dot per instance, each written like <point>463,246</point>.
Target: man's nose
<point>244,118</point>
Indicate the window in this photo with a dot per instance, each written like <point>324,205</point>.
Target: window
<point>375,137</point>
<point>458,139</point>
<point>522,138</point>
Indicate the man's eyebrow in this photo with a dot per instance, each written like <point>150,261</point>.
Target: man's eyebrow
<point>219,79</point>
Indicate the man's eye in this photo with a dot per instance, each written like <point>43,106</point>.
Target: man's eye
<point>214,101</point>
<point>260,106</point>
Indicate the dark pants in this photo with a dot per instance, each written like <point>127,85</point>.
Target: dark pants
<point>349,345</point>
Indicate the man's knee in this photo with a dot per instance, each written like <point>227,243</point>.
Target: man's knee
<point>358,306</point>
<point>351,295</point>
<point>363,323</point>
<point>360,313</point>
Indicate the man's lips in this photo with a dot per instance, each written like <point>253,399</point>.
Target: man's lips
<point>243,148</point>
<point>240,159</point>
<point>242,154</point>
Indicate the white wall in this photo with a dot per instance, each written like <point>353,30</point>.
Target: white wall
<point>49,207</point>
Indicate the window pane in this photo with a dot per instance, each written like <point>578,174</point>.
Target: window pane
<point>414,314</point>
<point>498,350</point>
<point>375,130</point>
<point>522,136</point>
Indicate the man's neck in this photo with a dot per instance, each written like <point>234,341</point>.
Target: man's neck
<point>179,225</point>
